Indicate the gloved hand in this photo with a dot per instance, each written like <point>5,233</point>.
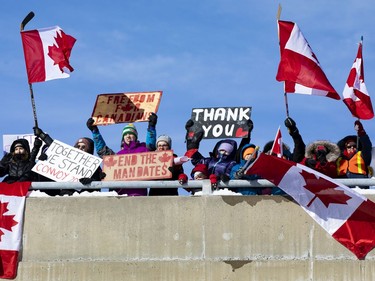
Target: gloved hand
<point>321,156</point>
<point>224,177</point>
<point>85,181</point>
<point>193,137</point>
<point>310,163</point>
<point>250,126</point>
<point>238,174</point>
<point>6,159</point>
<point>38,132</point>
<point>213,180</point>
<point>38,143</point>
<point>152,120</point>
<point>102,175</point>
<point>291,125</point>
<point>90,125</point>
<point>359,128</point>
<point>182,179</point>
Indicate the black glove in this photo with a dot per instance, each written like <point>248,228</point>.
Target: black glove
<point>359,128</point>
<point>310,163</point>
<point>90,125</point>
<point>250,125</point>
<point>239,174</point>
<point>152,120</point>
<point>102,175</point>
<point>193,137</point>
<point>291,125</point>
<point>224,177</point>
<point>6,159</point>
<point>43,156</point>
<point>321,156</point>
<point>38,143</point>
<point>38,132</point>
<point>85,181</point>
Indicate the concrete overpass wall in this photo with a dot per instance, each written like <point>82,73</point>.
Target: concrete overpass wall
<point>180,238</point>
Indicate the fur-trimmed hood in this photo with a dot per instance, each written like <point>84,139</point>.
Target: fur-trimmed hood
<point>333,151</point>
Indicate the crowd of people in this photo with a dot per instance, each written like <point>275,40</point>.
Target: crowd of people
<point>350,157</point>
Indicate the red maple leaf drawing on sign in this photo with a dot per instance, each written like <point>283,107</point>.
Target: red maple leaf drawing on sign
<point>324,190</point>
<point>60,53</point>
<point>110,162</point>
<point>6,221</point>
<point>165,158</point>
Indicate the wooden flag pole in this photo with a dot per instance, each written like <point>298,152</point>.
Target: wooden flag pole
<point>23,24</point>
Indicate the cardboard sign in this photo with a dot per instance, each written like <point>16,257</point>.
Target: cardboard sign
<point>138,166</point>
<point>66,163</point>
<point>222,122</point>
<point>125,107</point>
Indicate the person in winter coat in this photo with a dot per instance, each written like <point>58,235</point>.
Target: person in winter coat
<point>199,172</point>
<point>163,143</point>
<point>355,155</point>
<point>17,164</point>
<point>249,153</point>
<point>221,159</point>
<point>321,156</point>
<point>129,145</point>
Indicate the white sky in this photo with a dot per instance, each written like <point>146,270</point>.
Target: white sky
<point>199,53</point>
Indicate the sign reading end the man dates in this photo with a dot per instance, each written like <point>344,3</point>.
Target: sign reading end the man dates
<point>222,122</point>
<point>138,166</point>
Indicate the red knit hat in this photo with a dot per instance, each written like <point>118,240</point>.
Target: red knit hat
<point>202,168</point>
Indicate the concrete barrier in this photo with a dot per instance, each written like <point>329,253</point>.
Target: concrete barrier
<point>181,238</point>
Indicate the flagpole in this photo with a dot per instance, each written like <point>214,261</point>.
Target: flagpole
<point>23,24</point>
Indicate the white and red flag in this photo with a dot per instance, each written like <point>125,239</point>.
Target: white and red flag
<point>355,94</point>
<point>277,147</point>
<point>47,52</point>
<point>299,67</point>
<point>12,203</point>
<point>345,214</point>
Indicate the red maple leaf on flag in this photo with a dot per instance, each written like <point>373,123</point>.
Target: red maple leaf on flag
<point>6,221</point>
<point>165,158</point>
<point>61,53</point>
<point>110,162</point>
<point>324,190</point>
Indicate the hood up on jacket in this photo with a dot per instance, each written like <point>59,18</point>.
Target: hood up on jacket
<point>333,151</point>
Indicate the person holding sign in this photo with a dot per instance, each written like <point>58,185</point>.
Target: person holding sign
<point>221,160</point>
<point>17,164</point>
<point>129,145</point>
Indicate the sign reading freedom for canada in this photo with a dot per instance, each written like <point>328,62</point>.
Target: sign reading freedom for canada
<point>125,107</point>
<point>138,166</point>
<point>66,163</point>
<point>222,122</point>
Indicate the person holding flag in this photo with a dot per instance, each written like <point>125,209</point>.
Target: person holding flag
<point>355,157</point>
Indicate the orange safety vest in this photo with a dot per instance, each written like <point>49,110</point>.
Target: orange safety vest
<point>354,165</point>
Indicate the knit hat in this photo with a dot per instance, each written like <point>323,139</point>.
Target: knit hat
<point>165,138</point>
<point>226,146</point>
<point>89,143</point>
<point>200,168</point>
<point>130,129</point>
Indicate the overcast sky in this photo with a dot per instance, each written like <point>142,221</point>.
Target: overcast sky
<point>199,53</point>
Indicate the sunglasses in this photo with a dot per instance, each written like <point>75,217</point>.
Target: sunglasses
<point>351,146</point>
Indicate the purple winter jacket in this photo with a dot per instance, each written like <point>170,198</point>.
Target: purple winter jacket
<point>133,147</point>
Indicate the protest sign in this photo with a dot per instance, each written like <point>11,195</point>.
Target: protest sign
<point>138,166</point>
<point>222,122</point>
<point>125,107</point>
<point>66,163</point>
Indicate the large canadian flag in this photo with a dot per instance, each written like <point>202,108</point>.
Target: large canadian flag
<point>345,214</point>
<point>299,67</point>
<point>355,94</point>
<point>12,203</point>
<point>47,52</point>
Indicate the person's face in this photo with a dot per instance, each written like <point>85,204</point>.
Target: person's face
<point>19,150</point>
<point>351,147</point>
<point>129,137</point>
<point>162,145</point>
<point>81,146</point>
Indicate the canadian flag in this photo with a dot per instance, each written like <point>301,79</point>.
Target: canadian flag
<point>47,52</point>
<point>12,203</point>
<point>355,92</point>
<point>277,147</point>
<point>345,214</point>
<point>299,67</point>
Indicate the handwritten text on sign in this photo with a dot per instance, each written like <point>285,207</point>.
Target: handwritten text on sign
<point>138,166</point>
<point>222,122</point>
<point>125,107</point>
<point>66,163</point>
